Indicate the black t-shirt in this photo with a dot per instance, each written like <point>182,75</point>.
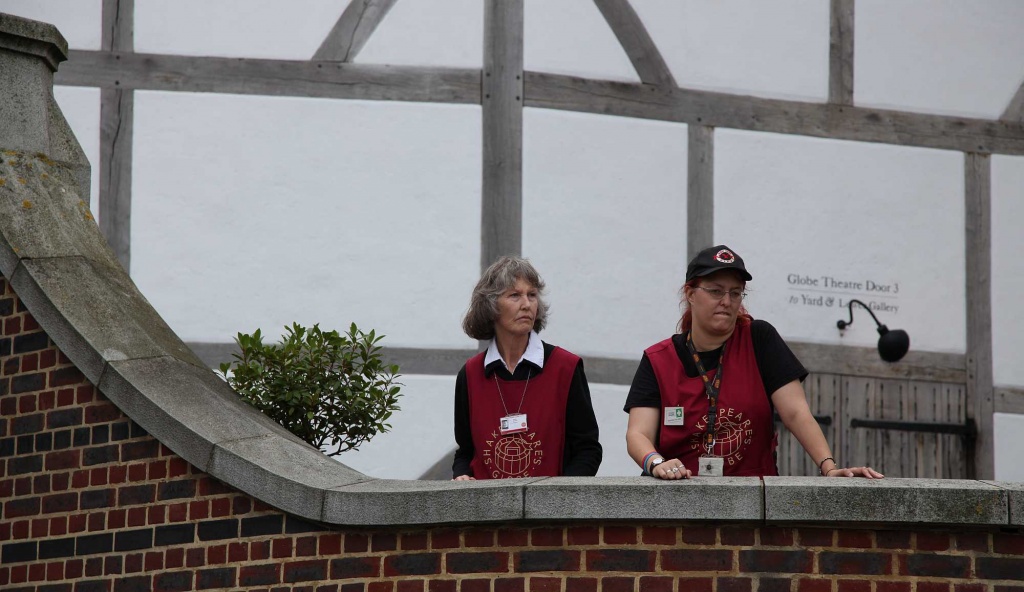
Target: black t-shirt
<point>777,363</point>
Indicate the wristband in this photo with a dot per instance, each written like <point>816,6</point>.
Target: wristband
<point>647,457</point>
<point>822,463</point>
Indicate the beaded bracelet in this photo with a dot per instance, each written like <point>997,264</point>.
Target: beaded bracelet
<point>822,463</point>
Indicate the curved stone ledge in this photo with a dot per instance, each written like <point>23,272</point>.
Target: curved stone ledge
<point>66,276</point>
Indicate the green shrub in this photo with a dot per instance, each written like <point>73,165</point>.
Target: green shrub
<point>330,389</point>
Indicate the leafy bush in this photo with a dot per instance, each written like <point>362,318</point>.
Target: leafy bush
<point>330,389</point>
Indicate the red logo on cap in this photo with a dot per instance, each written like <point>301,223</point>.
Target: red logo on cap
<point>725,256</point>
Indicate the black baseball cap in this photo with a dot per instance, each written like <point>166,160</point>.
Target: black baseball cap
<point>714,259</point>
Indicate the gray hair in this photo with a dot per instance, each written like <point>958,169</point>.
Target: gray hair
<point>483,304</point>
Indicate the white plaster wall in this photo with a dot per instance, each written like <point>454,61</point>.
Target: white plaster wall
<point>429,33</point>
<point>258,211</point>
<point>79,21</point>
<point>1007,270</point>
<point>939,56</point>
<point>604,222</point>
<point>571,37</point>
<point>81,109</point>
<point>797,207</point>
<point>1009,441</point>
<point>771,49</point>
<point>270,29</point>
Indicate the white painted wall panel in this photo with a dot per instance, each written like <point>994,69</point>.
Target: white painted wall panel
<point>571,37</point>
<point>1007,270</point>
<point>81,108</point>
<point>255,212</point>
<point>771,49</point>
<point>235,28</point>
<point>604,221</point>
<point>79,21</point>
<point>429,33</point>
<point>1009,441</point>
<point>939,56</point>
<point>887,219</point>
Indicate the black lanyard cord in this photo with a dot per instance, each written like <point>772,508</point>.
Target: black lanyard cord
<point>711,387</point>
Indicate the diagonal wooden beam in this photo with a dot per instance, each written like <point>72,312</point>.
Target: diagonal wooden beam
<point>353,30</point>
<point>1015,110</point>
<point>840,53</point>
<point>117,108</point>
<point>637,43</point>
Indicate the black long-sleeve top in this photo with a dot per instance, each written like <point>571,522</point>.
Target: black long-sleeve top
<point>582,452</point>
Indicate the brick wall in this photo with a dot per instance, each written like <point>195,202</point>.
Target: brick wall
<point>92,502</point>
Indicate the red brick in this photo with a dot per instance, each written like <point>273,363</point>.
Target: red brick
<point>20,529</point>
<point>737,536</point>
<point>383,541</point>
<point>136,516</point>
<point>658,535</point>
<point>411,586</point>
<point>728,584</point>
<point>546,537</point>
<point>442,585</point>
<point>617,584</point>
<point>97,522</point>
<point>37,572</point>
<point>54,571</point>
<point>972,541</point>
<point>58,525</point>
<point>60,481</point>
<point>479,537</point>
<point>77,523</point>
<point>195,557</point>
<point>220,507</point>
<point>853,586</point>
<point>23,486</point>
<point>546,584</point>
<point>473,563</point>
<point>479,585</point>
<point>656,584</point>
<point>19,574</point>
<point>177,512</point>
<point>412,541</point>
<point>174,558</point>
<point>154,560</point>
<point>65,397</point>
<point>811,585</point>
<point>29,324</point>
<point>620,535</point>
<point>47,358</point>
<point>73,568</point>
<point>356,542</point>
<point>932,541</point>
<point>860,539</point>
<point>892,539</point>
<point>777,537</point>
<point>113,565</point>
<point>584,535</point>
<point>30,363</point>
<point>137,472</point>
<point>331,544</point>
<point>238,552</point>
<point>156,515</point>
<point>118,474</point>
<point>98,476</point>
<point>510,585</point>
<point>883,586</point>
<point>281,548</point>
<point>217,554</point>
<point>259,550</point>
<point>102,413</point>
<point>305,546</point>
<point>970,588</point>
<point>1008,544</point>
<point>932,587</point>
<point>65,459</point>
<point>40,526</point>
<point>176,467</point>
<point>198,510</point>
<point>47,400</point>
<point>133,563</point>
<point>620,560</point>
<point>382,587</point>
<point>94,567</point>
<point>581,585</point>
<point>241,505</point>
<point>512,537</point>
<point>26,403</point>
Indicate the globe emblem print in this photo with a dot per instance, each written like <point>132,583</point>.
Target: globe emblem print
<point>513,455</point>
<point>728,437</point>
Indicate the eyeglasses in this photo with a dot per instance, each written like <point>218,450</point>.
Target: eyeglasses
<point>718,293</point>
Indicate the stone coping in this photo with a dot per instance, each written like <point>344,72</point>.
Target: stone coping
<point>33,37</point>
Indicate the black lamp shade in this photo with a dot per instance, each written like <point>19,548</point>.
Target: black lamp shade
<point>892,345</point>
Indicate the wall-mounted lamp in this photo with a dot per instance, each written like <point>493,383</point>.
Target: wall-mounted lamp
<point>892,345</point>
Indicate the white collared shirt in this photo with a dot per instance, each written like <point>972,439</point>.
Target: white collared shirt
<point>534,353</point>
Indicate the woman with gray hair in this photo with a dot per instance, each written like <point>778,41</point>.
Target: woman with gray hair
<point>522,406</point>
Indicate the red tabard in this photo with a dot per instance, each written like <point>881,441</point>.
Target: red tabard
<point>745,430</point>
<point>537,452</point>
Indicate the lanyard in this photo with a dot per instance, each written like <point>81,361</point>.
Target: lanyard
<point>502,397</point>
<point>712,388</point>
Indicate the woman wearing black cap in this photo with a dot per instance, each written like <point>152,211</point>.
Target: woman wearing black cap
<point>702,401</point>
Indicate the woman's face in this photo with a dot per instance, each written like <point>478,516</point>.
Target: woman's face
<point>517,309</point>
<point>716,317</point>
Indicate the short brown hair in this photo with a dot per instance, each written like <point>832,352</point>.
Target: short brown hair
<point>483,304</point>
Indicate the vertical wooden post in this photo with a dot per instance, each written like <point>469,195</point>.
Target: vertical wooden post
<point>840,53</point>
<point>502,98</point>
<point>978,243</point>
<point>117,107</point>
<point>700,189</point>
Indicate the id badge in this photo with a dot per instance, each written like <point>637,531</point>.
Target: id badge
<point>673,416</point>
<point>513,424</point>
<point>711,466</point>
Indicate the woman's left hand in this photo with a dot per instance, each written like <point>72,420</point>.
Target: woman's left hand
<point>866,472</point>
